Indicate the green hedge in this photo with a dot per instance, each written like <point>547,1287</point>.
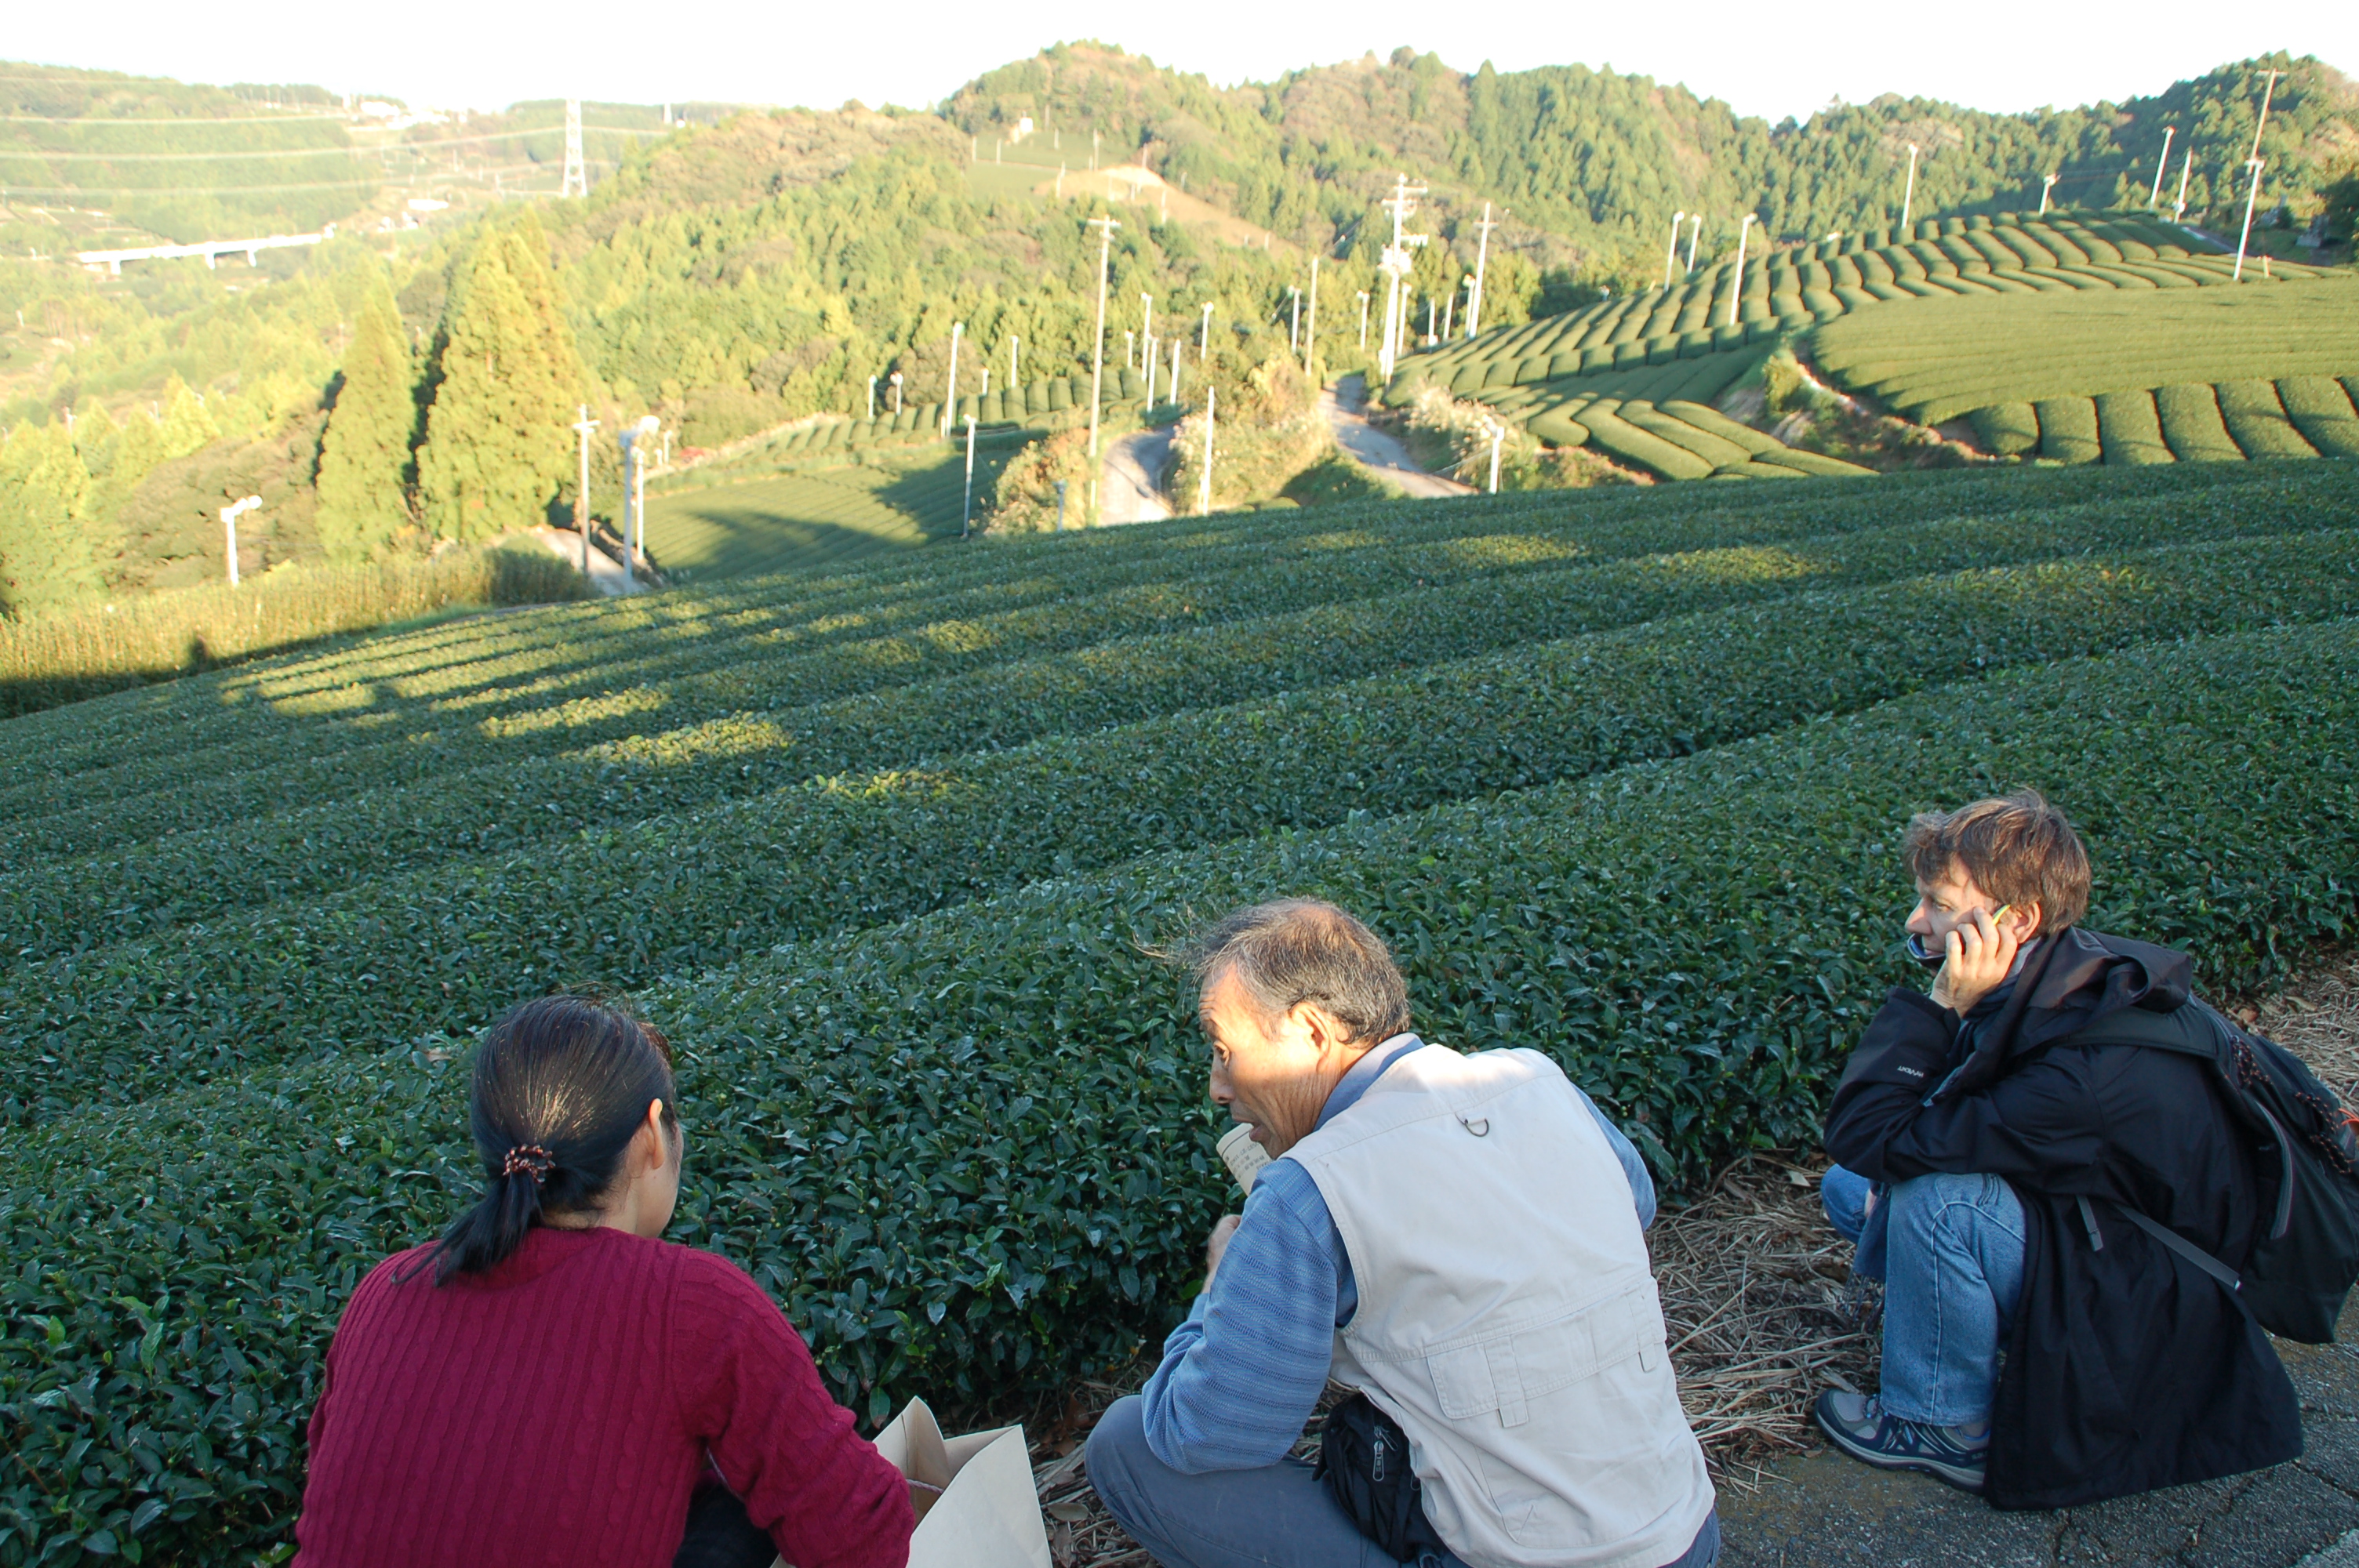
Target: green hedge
<point>2068,430</point>
<point>2130,431</point>
<point>448,946</point>
<point>2192,423</point>
<point>968,1155</point>
<point>407,709</point>
<point>2323,412</point>
<point>2257,420</point>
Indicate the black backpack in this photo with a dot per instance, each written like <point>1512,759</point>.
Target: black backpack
<point>2305,1260</point>
<point>1363,1461</point>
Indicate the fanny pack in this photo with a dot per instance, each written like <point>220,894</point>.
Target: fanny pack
<point>1364,1462</point>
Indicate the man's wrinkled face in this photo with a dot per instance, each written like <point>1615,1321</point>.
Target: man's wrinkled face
<point>1273,1073</point>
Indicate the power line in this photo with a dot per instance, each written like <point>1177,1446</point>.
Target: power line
<point>169,120</point>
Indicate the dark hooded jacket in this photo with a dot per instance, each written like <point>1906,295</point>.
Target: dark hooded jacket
<point>2126,1369</point>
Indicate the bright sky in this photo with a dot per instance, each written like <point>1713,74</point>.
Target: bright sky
<point>1766,59</point>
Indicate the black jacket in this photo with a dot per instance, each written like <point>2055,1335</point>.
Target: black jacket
<point>2126,1369</point>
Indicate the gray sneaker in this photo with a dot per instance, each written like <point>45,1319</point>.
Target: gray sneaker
<point>1859,1426</point>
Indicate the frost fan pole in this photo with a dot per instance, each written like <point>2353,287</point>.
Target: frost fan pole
<point>1204,484</point>
<point>585,426</point>
<point>1105,227</point>
<point>2251,194</point>
<point>2162,166</point>
<point>1736,286</point>
<point>966,514</point>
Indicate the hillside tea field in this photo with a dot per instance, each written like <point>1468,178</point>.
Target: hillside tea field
<point>2020,322</point>
<point>1621,775</point>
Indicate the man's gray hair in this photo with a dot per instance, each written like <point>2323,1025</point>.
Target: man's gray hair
<point>1296,950</point>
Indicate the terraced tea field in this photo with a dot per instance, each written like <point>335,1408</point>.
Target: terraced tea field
<point>1970,314</point>
<point>1620,774</point>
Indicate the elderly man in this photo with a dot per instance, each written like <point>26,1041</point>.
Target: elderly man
<point>1457,1237</point>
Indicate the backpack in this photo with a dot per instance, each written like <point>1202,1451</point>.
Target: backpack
<point>1364,1462</point>
<point>2305,1261</point>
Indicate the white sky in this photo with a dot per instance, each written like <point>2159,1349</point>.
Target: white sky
<point>1765,58</point>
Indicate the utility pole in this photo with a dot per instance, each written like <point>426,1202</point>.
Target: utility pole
<point>1294,327</point>
<point>2047,184</point>
<point>1177,345</point>
<point>1482,255</point>
<point>1695,232</point>
<point>966,512</point>
<point>2186,168</point>
<point>1498,434</point>
<point>1449,305</point>
<point>1363,320</point>
<point>629,440</point>
<point>231,513</point>
<point>2267,95</point>
<point>1311,337</point>
<point>1015,364</point>
<point>1736,285</point>
<point>871,398</point>
<point>950,399</point>
<point>1105,227</point>
<point>1671,254</point>
<point>1204,484</point>
<point>2160,165</point>
<point>1205,343</point>
<point>1396,264</point>
<point>577,172</point>
<point>1145,317</point>
<point>586,426</point>
<point>2251,194</point>
<point>1154,364</point>
<point>648,428</point>
<point>895,379</point>
<point>1129,343</point>
<point>1908,196</point>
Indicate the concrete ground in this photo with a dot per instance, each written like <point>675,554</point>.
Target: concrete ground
<point>1825,1511</point>
<point>1130,484</point>
<point>1372,448</point>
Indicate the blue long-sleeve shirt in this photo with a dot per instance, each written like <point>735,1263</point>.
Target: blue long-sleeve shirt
<point>1242,1374</point>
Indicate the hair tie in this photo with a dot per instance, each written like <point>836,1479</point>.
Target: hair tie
<point>530,1157</point>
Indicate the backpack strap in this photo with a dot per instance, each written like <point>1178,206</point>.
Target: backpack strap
<point>2188,1250</point>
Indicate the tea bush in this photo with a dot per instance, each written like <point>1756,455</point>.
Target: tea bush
<point>967,1152</point>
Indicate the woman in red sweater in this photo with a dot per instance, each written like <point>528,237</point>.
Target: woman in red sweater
<point>551,1384</point>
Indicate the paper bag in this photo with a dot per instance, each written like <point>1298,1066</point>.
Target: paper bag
<point>987,1515</point>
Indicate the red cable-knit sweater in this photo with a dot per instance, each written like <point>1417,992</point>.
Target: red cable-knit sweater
<point>559,1409</point>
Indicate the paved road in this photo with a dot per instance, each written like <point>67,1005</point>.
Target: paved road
<point>605,571</point>
<point>1131,488</point>
<point>1828,1511</point>
<point>1375,449</point>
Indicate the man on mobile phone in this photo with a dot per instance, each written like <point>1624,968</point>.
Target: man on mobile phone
<point>1458,1238</point>
<point>2039,1346</point>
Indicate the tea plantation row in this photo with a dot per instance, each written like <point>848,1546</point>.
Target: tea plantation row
<point>968,1152</point>
<point>481,830</point>
<point>237,746</point>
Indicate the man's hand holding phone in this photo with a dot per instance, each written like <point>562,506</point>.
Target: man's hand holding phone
<point>1979,951</point>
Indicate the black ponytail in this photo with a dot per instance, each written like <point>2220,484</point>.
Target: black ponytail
<point>561,1087</point>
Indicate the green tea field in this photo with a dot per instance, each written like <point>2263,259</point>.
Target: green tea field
<point>880,844</point>
<point>1973,317</point>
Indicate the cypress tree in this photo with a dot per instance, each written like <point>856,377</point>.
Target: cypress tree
<point>47,557</point>
<point>187,424</point>
<point>365,455</point>
<point>498,446</point>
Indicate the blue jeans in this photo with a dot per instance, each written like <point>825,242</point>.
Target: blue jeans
<point>1276,1517</point>
<point>1951,1250</point>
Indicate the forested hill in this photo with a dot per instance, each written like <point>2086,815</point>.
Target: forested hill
<point>1594,162</point>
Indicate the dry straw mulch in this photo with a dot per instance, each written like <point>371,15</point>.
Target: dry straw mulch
<point>1756,1294</point>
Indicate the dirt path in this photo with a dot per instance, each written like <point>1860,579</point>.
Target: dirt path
<point>1375,450</point>
<point>1130,487</point>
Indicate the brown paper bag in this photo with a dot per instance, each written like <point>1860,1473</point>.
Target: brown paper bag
<point>975,1504</point>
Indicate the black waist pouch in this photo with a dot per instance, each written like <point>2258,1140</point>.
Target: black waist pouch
<point>1364,1462</point>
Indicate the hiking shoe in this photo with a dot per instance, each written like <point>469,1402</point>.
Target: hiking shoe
<point>1859,1426</point>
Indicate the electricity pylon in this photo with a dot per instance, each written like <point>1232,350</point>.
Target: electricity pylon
<point>577,173</point>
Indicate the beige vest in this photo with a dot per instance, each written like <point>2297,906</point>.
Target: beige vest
<point>1507,1317</point>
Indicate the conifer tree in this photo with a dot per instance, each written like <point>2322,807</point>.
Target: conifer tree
<point>188,425</point>
<point>138,448</point>
<point>365,455</point>
<point>47,557</point>
<point>498,445</point>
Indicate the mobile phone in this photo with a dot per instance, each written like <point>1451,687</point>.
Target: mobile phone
<point>1934,957</point>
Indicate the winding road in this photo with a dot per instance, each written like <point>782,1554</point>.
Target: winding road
<point>1372,448</point>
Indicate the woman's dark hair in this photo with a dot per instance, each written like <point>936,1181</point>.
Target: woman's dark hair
<point>561,1087</point>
